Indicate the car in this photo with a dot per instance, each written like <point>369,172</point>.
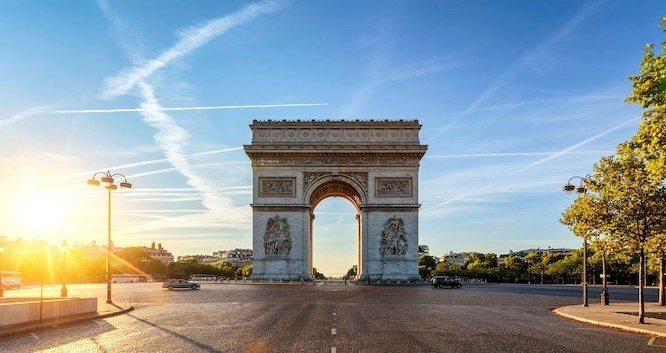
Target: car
<point>11,285</point>
<point>445,281</point>
<point>180,283</point>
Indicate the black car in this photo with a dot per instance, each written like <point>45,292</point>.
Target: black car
<point>445,281</point>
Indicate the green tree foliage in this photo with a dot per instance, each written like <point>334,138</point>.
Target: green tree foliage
<point>635,202</point>
<point>247,270</point>
<point>513,266</point>
<point>445,268</point>
<point>481,266</point>
<point>351,273</point>
<point>317,274</point>
<point>137,260</point>
<point>566,268</point>
<point>532,259</point>
<point>427,264</point>
<point>649,91</point>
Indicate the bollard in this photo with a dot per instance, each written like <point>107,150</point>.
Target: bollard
<point>604,296</point>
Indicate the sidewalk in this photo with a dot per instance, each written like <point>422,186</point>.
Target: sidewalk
<point>104,310</point>
<point>619,316</point>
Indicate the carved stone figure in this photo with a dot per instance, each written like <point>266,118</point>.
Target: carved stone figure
<point>277,238</point>
<point>309,178</point>
<point>401,187</point>
<point>280,187</point>
<point>394,237</point>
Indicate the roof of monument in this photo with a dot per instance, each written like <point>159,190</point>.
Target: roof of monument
<point>341,122</point>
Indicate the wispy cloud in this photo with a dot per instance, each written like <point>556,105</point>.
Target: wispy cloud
<point>20,116</point>
<point>191,39</point>
<point>526,59</point>
<point>172,109</point>
<point>37,111</point>
<point>398,73</point>
<point>517,171</point>
<point>512,154</point>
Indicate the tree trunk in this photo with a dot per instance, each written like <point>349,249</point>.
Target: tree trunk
<point>641,287</point>
<point>662,267</point>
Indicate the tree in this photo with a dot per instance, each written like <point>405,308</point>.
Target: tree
<point>351,273</point>
<point>445,268</point>
<point>247,270</point>
<point>531,259</point>
<point>649,91</point>
<point>514,266</point>
<point>317,275</point>
<point>633,202</point>
<point>424,250</point>
<point>427,264</point>
<point>138,260</point>
<point>566,266</point>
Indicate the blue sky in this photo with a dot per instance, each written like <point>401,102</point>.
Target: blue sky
<point>514,97</point>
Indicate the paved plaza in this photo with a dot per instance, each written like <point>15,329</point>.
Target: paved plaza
<point>332,318</point>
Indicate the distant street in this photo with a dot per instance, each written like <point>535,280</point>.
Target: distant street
<point>334,318</point>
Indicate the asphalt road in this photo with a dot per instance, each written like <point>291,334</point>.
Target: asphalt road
<point>332,318</point>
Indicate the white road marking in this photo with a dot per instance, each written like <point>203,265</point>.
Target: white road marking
<point>334,331</point>
<point>333,350</point>
<point>651,342</point>
<point>34,335</point>
<point>98,322</point>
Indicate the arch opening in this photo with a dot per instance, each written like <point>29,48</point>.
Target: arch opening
<point>335,236</point>
<point>335,188</point>
<point>335,228</point>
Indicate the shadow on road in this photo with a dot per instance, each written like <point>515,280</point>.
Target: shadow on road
<point>199,345</point>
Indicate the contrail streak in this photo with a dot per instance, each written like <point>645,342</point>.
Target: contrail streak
<point>168,109</point>
<point>192,39</point>
<point>536,163</point>
<point>511,154</point>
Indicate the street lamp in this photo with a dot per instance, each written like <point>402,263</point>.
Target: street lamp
<point>580,189</point>
<point>63,290</point>
<point>107,180</point>
<point>2,293</point>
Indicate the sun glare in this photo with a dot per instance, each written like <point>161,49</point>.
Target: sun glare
<point>39,213</point>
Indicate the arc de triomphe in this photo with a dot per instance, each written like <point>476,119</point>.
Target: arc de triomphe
<point>373,164</point>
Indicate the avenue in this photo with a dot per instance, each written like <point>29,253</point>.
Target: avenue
<point>333,317</point>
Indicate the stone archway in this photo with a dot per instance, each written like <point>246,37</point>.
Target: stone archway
<point>373,164</point>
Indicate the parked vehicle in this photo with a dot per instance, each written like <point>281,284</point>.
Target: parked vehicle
<point>180,283</point>
<point>446,281</point>
<point>11,279</point>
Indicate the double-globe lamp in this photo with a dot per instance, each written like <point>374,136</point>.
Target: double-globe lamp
<point>108,181</point>
<point>580,189</point>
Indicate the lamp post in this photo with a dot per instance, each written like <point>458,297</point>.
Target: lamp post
<point>2,293</point>
<point>63,290</point>
<point>107,180</point>
<point>580,189</point>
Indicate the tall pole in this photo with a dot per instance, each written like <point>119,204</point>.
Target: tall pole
<point>63,290</point>
<point>107,179</point>
<point>1,288</point>
<point>108,254</point>
<point>585,271</point>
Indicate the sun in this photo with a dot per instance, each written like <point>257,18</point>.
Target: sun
<point>39,213</point>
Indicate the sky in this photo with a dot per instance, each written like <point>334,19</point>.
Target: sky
<point>514,98</point>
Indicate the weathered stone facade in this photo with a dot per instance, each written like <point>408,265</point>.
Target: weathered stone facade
<point>373,164</point>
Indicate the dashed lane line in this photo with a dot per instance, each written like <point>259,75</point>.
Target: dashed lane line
<point>34,336</point>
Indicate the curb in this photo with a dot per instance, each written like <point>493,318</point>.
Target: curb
<point>609,325</point>
<point>42,326</point>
